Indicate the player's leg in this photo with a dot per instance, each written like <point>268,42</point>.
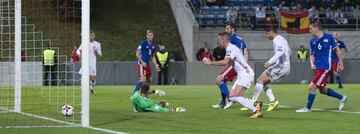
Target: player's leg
<point>92,84</point>
<point>254,106</point>
<point>224,92</point>
<point>273,102</point>
<point>142,77</point>
<point>332,93</point>
<point>319,80</point>
<point>336,74</point>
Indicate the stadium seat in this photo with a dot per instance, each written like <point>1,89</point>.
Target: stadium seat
<point>210,18</point>
<point>220,19</point>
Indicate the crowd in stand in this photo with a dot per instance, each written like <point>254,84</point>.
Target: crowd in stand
<point>253,13</point>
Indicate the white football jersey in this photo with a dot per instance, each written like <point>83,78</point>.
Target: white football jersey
<point>282,51</point>
<point>92,57</point>
<point>240,65</point>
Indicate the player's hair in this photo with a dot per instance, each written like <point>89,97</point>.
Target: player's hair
<point>149,31</point>
<point>232,25</point>
<point>270,28</point>
<point>145,88</point>
<point>317,24</point>
<point>224,35</point>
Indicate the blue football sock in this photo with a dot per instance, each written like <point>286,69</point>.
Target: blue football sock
<point>338,79</point>
<point>137,86</point>
<point>311,98</point>
<point>333,93</point>
<point>224,91</point>
<point>223,98</point>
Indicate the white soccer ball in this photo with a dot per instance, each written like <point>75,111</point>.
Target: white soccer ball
<point>67,110</point>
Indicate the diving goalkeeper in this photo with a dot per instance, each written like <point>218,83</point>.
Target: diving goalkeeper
<point>142,103</point>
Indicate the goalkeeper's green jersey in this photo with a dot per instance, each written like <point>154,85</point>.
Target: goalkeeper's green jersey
<point>145,104</point>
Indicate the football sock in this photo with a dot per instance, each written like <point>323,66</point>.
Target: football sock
<point>223,98</point>
<point>258,88</point>
<point>311,98</point>
<point>269,93</point>
<point>333,93</point>
<point>338,80</point>
<point>137,86</point>
<point>245,102</point>
<point>224,91</point>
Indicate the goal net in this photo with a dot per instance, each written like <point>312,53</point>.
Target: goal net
<point>30,94</point>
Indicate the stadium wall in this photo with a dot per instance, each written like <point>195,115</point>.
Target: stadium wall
<point>182,73</point>
<point>261,48</point>
<point>194,73</point>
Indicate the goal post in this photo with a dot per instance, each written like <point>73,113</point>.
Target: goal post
<point>85,38</point>
<point>28,27</point>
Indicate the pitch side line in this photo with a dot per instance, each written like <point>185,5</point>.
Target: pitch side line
<point>59,121</point>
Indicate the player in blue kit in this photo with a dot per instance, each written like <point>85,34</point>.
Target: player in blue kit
<point>145,54</point>
<point>321,47</point>
<point>335,60</point>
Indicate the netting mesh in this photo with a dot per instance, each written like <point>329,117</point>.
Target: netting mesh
<point>53,24</point>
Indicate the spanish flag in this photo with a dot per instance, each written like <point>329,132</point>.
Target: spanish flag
<point>295,22</point>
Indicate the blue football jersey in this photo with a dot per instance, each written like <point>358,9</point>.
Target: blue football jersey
<point>238,41</point>
<point>322,48</point>
<point>147,50</point>
<point>340,44</point>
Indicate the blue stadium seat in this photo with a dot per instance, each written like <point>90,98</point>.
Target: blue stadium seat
<point>200,19</point>
<point>220,19</point>
<point>225,8</point>
<point>210,19</point>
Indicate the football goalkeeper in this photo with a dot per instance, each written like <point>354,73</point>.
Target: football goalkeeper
<point>142,103</point>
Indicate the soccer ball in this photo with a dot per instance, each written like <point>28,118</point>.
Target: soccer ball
<point>67,110</point>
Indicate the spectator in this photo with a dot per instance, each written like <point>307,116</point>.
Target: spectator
<point>231,15</point>
<point>339,17</point>
<point>219,53</point>
<point>206,54</point>
<point>201,50</point>
<point>356,12</point>
<point>75,58</point>
<point>23,56</point>
<point>260,13</point>
<point>302,54</point>
<point>313,13</point>
<point>162,58</point>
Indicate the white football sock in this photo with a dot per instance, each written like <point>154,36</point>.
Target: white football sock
<point>257,92</point>
<point>269,92</point>
<point>245,102</point>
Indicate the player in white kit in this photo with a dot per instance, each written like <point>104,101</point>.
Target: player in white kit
<point>245,75</point>
<point>276,67</point>
<point>94,51</point>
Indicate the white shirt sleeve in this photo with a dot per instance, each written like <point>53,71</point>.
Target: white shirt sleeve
<point>230,52</point>
<point>98,49</point>
<point>279,50</point>
<point>78,51</point>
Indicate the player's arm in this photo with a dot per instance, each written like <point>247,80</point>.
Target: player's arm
<point>246,54</point>
<point>78,51</point>
<point>138,56</point>
<point>312,59</point>
<point>224,62</point>
<point>279,51</point>
<point>155,63</point>
<point>97,50</point>
<point>340,55</point>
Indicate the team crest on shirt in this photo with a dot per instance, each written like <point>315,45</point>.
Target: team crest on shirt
<point>326,40</point>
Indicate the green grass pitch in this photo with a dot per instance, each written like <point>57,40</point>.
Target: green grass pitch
<point>111,109</point>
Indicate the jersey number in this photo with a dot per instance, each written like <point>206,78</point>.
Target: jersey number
<point>319,46</point>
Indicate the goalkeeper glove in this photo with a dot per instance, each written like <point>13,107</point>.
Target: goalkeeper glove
<point>160,92</point>
<point>180,109</point>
